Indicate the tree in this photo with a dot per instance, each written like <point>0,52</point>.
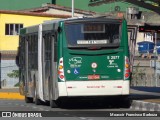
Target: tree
<point>14,74</point>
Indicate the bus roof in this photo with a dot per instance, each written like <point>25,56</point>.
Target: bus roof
<point>47,24</point>
<point>30,29</point>
<point>83,18</point>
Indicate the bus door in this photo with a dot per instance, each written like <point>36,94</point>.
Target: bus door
<point>53,79</point>
<point>46,46</point>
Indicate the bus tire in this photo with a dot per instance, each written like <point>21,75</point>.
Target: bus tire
<point>53,104</point>
<point>37,101</point>
<point>28,99</point>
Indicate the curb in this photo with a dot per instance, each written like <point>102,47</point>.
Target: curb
<point>144,106</point>
<point>9,95</point>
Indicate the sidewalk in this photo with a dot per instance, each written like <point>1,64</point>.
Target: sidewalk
<point>145,98</point>
<point>10,93</point>
<point>12,90</point>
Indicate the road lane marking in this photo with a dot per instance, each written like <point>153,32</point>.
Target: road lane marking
<point>82,118</point>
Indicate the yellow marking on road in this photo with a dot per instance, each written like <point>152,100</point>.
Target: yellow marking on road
<point>7,95</point>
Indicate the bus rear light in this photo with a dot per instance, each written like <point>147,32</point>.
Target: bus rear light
<point>127,75</point>
<point>61,70</point>
<point>127,68</point>
<point>128,71</point>
<point>60,67</point>
<point>127,65</point>
<point>61,76</point>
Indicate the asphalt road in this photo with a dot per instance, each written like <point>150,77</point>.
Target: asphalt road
<point>89,112</point>
<point>76,113</point>
<point>20,105</point>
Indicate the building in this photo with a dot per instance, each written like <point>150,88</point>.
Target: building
<point>11,22</point>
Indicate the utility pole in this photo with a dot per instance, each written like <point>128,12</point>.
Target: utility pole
<point>72,8</point>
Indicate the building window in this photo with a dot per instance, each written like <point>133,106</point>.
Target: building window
<point>13,29</point>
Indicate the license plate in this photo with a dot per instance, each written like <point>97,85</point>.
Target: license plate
<point>93,77</point>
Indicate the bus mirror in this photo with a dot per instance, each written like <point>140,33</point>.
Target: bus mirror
<point>59,30</point>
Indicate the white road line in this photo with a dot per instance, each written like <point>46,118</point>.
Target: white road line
<point>82,118</point>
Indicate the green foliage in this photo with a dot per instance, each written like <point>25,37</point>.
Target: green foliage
<point>13,74</point>
<point>16,85</point>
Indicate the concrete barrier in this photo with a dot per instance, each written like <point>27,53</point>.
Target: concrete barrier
<point>10,93</point>
<point>145,106</point>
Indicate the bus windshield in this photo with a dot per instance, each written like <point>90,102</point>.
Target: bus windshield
<point>93,35</point>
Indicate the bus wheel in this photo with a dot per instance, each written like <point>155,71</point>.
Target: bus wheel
<point>53,104</point>
<point>28,99</point>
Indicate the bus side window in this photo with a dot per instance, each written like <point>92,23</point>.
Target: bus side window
<point>47,46</point>
<point>36,51</point>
